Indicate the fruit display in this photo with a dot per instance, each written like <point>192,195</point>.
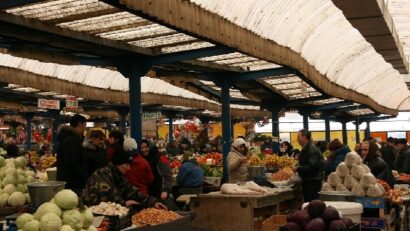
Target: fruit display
<point>282,175</point>
<point>279,162</point>
<point>152,216</point>
<point>61,214</point>
<point>175,165</point>
<point>46,161</point>
<point>255,161</point>
<point>109,209</point>
<point>216,158</point>
<point>403,178</point>
<point>14,176</point>
<point>211,171</point>
<point>317,217</point>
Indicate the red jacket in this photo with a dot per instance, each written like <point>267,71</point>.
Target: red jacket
<point>140,174</point>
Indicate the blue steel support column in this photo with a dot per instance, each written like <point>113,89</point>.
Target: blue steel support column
<point>275,123</point>
<point>56,124</point>
<point>135,107</point>
<point>226,127</point>
<point>327,128</point>
<point>344,132</point>
<point>305,121</point>
<point>357,130</point>
<point>170,128</point>
<point>367,131</point>
<point>28,118</point>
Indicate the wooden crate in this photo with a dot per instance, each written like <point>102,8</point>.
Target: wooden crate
<point>274,222</point>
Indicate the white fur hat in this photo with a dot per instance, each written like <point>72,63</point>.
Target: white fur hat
<point>130,144</point>
<point>238,142</point>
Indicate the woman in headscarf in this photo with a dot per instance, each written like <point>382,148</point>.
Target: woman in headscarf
<point>162,183</point>
<point>379,168</point>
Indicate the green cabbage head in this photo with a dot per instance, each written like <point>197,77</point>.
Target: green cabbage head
<point>23,219</point>
<point>47,208</point>
<point>33,225</point>
<point>50,222</point>
<point>66,199</point>
<point>73,218</point>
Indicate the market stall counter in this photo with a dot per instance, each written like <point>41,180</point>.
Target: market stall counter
<point>223,212</point>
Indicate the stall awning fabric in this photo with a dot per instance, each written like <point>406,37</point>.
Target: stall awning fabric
<point>311,36</point>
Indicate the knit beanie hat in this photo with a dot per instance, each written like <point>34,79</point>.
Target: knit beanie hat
<point>121,157</point>
<point>238,142</point>
<point>130,144</point>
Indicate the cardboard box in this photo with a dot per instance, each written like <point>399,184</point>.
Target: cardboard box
<point>274,222</point>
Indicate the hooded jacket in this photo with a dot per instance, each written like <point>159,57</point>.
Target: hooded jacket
<point>71,159</point>
<point>237,171</point>
<point>97,156</point>
<point>190,175</point>
<point>338,157</point>
<point>140,174</point>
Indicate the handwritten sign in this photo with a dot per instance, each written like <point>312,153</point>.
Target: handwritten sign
<point>49,104</point>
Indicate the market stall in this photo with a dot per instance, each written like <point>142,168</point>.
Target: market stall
<point>218,211</point>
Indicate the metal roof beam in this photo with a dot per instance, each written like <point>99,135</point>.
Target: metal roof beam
<point>5,4</point>
<point>351,108</point>
<point>309,99</point>
<point>190,54</point>
<point>252,75</point>
<point>330,106</point>
<point>376,118</point>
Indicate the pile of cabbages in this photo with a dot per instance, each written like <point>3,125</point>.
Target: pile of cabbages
<point>354,176</point>
<point>14,176</point>
<point>60,214</point>
<point>317,217</point>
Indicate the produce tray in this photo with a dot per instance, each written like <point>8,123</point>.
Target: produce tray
<point>355,227</point>
<point>186,218</point>
<point>116,223</point>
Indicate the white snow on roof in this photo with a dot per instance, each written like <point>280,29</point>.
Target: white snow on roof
<point>319,32</point>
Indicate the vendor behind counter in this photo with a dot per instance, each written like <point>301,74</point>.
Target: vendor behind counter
<point>108,184</point>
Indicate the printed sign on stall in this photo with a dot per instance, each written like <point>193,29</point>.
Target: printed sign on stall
<point>151,115</point>
<point>49,104</point>
<point>71,103</point>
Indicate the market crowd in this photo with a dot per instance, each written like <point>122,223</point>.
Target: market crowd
<point>118,169</point>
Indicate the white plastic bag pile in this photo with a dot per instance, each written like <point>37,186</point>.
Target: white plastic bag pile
<point>249,188</point>
<point>353,176</point>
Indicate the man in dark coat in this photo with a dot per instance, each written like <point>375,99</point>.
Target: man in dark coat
<point>403,160</point>
<point>71,159</point>
<point>311,165</point>
<point>389,152</point>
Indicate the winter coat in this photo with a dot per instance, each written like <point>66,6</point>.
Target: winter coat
<point>107,184</point>
<point>380,169</point>
<point>190,175</point>
<point>237,170</point>
<point>338,157</point>
<point>97,157</point>
<point>71,159</point>
<point>403,161</point>
<point>140,174</point>
<point>163,179</point>
<point>111,149</point>
<point>389,155</point>
<point>311,163</point>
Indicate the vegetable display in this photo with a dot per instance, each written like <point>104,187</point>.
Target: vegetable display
<point>353,176</point>
<point>50,217</point>
<point>152,216</point>
<point>109,209</point>
<point>14,176</point>
<point>317,217</point>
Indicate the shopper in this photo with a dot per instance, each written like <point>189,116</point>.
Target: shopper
<point>140,174</point>
<point>403,159</point>
<point>115,143</point>
<point>190,177</point>
<point>12,151</point>
<point>237,161</point>
<point>71,158</point>
<point>389,152</point>
<point>108,184</point>
<point>286,149</point>
<point>379,168</point>
<point>96,152</point>
<point>162,184</point>
<point>337,154</point>
<point>311,164</point>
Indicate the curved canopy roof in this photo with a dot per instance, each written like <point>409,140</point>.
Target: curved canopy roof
<point>312,36</point>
